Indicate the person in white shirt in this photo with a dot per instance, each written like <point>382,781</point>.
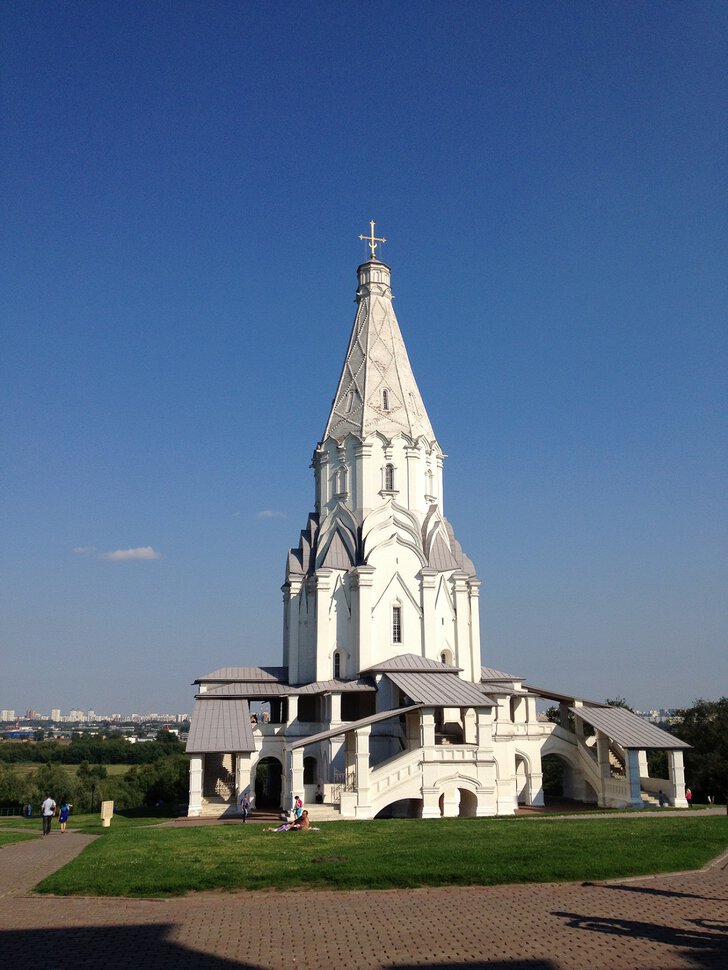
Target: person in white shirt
<point>47,810</point>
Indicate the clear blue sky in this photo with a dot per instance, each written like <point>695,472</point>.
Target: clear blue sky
<point>183,184</point>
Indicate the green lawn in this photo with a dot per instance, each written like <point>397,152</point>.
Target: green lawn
<point>7,838</point>
<point>136,861</point>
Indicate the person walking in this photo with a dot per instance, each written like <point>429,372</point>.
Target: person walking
<point>244,806</point>
<point>65,812</point>
<point>47,810</point>
<point>689,797</point>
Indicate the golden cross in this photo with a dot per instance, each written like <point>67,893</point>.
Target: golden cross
<point>372,240</point>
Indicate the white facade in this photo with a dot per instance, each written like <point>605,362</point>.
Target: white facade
<point>381,699</point>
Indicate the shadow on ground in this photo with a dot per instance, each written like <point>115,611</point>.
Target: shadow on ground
<point>703,941</point>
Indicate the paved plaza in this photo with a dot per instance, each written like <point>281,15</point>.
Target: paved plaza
<point>659,923</point>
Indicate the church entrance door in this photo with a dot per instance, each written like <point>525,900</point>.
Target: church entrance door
<point>268,777</point>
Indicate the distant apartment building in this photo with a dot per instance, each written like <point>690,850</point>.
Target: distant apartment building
<point>7,715</point>
<point>55,714</point>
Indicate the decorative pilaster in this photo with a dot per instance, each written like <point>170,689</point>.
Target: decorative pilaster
<point>428,589</point>
<point>462,618</point>
<point>323,634</point>
<point>362,582</point>
<point>474,611</point>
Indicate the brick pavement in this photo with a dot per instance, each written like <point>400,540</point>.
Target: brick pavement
<point>674,922</point>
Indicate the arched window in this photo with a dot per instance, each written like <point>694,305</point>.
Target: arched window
<point>385,399</point>
<point>337,665</point>
<point>396,624</point>
<point>309,771</point>
<point>389,478</point>
<point>341,481</point>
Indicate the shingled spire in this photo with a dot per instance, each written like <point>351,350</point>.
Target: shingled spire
<point>377,390</point>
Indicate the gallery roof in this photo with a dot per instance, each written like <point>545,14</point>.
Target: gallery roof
<point>220,726</point>
<point>412,662</point>
<point>440,690</point>
<point>627,729</point>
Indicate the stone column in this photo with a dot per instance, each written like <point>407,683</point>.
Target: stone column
<point>536,789</point>
<point>363,808</point>
<point>632,768</point>
<point>450,803</point>
<point>427,725</point>
<point>296,777</point>
<point>194,809</point>
<point>430,802</point>
<point>603,756</point>
<point>335,708</point>
<point>677,778</point>
<point>470,726</point>
<point>292,713</point>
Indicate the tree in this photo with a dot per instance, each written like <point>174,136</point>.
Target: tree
<point>705,727</point>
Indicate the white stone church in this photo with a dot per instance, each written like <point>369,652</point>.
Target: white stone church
<point>381,704</point>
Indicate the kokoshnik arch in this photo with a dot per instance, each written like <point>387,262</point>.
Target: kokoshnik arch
<point>382,701</point>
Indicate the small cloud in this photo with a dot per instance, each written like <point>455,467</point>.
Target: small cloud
<point>122,555</point>
<point>271,514</point>
<point>236,515</point>
<point>84,550</point>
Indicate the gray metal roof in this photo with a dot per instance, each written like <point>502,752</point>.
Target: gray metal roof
<point>220,725</point>
<point>627,729</point>
<point>245,675</point>
<point>334,686</point>
<point>441,690</point>
<point>490,673</point>
<point>553,695</point>
<point>412,662</point>
<point>252,691</point>
<point>350,726</point>
<point>258,691</point>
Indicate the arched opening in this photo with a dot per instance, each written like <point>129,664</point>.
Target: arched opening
<point>396,624</point>
<point>268,778</point>
<point>385,399</point>
<point>468,803</point>
<point>337,665</point>
<point>446,657</point>
<point>389,478</point>
<point>309,770</point>
<point>523,786</point>
<point>404,808</point>
<point>554,769</point>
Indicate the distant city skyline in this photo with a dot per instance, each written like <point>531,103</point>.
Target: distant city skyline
<point>183,190</point>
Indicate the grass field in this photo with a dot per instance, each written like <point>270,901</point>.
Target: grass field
<point>131,860</point>
<point>7,838</point>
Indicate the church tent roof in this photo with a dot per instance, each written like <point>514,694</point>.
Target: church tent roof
<point>627,729</point>
<point>411,661</point>
<point>442,690</point>
<point>220,725</point>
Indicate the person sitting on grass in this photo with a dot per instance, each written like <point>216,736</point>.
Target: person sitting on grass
<point>302,825</point>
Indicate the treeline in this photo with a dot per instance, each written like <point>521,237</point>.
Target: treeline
<point>162,781</point>
<point>100,749</point>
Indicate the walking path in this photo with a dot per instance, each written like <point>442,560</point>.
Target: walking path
<point>673,922</point>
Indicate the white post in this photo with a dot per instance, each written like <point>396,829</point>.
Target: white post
<point>194,809</point>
